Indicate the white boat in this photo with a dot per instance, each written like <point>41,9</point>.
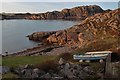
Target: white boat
<point>92,55</point>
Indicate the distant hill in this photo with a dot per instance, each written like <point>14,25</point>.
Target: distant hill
<point>80,12</point>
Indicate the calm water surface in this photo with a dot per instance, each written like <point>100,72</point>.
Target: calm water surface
<point>14,32</point>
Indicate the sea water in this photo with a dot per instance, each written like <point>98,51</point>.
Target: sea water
<point>14,32</point>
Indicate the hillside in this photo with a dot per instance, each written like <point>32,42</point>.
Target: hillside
<point>80,12</point>
<point>98,32</point>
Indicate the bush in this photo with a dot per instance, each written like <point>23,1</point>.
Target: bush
<point>66,56</point>
<point>48,65</point>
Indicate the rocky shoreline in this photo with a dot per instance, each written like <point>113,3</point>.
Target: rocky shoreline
<point>43,50</point>
<point>98,28</point>
<point>107,23</point>
<point>95,29</point>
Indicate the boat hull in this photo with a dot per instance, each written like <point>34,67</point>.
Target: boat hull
<point>89,58</point>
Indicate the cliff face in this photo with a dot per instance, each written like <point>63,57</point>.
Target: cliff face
<point>97,29</point>
<point>74,13</point>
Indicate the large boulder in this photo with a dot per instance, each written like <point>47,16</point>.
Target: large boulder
<point>39,36</point>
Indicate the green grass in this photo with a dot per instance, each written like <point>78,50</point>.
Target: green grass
<point>16,61</point>
<point>9,76</point>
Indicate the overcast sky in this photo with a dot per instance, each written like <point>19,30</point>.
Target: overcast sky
<point>39,7</point>
<point>59,0</point>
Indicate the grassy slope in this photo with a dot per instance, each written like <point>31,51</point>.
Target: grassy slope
<point>102,42</point>
<point>16,61</point>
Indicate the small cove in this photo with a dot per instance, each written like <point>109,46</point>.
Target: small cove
<point>14,32</point>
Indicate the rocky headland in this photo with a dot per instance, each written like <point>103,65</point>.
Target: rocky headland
<point>80,12</point>
<point>98,32</point>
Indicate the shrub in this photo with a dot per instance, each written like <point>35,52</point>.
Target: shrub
<point>66,56</point>
<point>48,65</point>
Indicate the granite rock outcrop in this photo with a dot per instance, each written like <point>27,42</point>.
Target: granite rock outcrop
<point>97,27</point>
